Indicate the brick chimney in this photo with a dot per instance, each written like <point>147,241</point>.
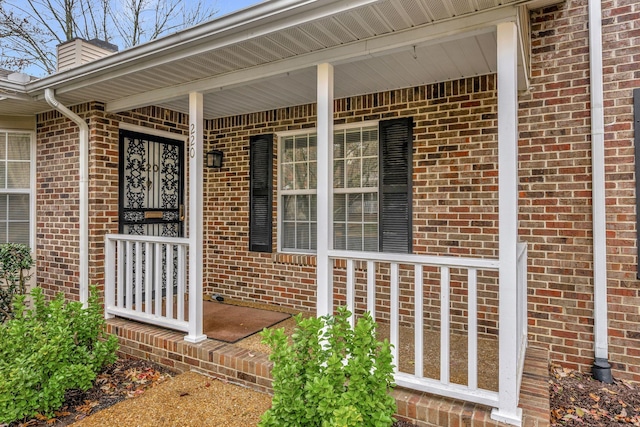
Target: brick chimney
<point>78,51</point>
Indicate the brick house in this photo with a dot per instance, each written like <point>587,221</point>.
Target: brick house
<point>444,164</point>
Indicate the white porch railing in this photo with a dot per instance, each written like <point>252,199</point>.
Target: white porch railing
<point>146,278</point>
<point>441,266</point>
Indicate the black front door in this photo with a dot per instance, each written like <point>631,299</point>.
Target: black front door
<point>151,185</point>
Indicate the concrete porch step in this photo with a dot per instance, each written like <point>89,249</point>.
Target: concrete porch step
<point>253,369</point>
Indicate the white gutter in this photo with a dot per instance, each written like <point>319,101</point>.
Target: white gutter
<point>601,366</point>
<point>49,95</point>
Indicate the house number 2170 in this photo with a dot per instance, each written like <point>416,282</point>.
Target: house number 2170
<point>192,141</point>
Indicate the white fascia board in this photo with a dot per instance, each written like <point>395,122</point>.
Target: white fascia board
<point>247,24</point>
<point>11,90</point>
<point>438,32</point>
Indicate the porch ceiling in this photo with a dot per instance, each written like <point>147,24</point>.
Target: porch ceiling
<point>264,57</point>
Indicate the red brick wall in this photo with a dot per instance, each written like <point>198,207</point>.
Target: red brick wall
<point>555,177</point>
<point>454,200</point>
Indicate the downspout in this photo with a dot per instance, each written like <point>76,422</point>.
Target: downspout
<point>601,366</point>
<point>49,96</point>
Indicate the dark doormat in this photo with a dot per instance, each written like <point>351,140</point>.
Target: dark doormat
<point>231,323</point>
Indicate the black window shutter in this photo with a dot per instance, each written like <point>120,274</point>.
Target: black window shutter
<point>396,172</point>
<point>261,192</point>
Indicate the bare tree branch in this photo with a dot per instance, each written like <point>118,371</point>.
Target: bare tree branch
<point>30,30</point>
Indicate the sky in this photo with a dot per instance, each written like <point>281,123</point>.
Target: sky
<point>228,6</point>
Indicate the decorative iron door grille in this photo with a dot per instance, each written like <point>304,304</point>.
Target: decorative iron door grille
<point>151,185</point>
<point>151,201</point>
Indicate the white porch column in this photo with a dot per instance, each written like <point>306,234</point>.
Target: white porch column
<point>508,410</point>
<point>324,272</point>
<point>196,222</point>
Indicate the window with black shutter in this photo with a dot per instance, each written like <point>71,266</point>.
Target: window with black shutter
<point>396,138</point>
<point>261,190</point>
<point>372,188</point>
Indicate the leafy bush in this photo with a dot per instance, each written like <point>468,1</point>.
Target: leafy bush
<point>15,263</point>
<point>331,375</point>
<point>49,349</point>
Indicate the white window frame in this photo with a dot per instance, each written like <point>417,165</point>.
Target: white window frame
<point>280,136</point>
<point>32,184</point>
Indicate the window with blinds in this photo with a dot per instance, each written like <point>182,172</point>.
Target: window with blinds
<point>15,187</point>
<point>372,173</point>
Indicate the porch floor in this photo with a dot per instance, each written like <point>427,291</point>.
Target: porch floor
<point>246,363</point>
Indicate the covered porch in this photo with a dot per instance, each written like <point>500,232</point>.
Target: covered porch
<point>293,53</point>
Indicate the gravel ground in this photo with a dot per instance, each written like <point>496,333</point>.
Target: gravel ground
<point>188,399</point>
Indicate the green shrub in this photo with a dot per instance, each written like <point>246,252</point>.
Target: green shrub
<point>48,350</point>
<point>15,263</point>
<point>331,375</point>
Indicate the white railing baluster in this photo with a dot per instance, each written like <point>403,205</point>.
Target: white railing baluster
<point>109,277</point>
<point>123,256</point>
<point>371,288</point>
<point>169,282</point>
<point>444,264</point>
<point>181,278</point>
<point>129,276</point>
<point>351,290</point>
<point>138,278</point>
<point>121,262</point>
<point>157,283</point>
<point>445,309</point>
<point>472,325</point>
<point>394,333</point>
<point>149,277</point>
<point>419,320</point>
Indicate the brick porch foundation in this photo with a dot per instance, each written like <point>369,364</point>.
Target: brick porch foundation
<point>253,369</point>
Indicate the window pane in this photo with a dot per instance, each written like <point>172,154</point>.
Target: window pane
<point>3,232</point>
<point>18,207</point>
<point>370,142</point>
<point>313,180</point>
<point>339,237</point>
<point>18,175</point>
<point>301,176</point>
<point>3,207</point>
<point>287,177</point>
<point>354,237</point>
<point>18,233</point>
<point>287,151</point>
<point>370,172</point>
<point>301,153</point>
<point>3,174</point>
<point>314,235</point>
<point>371,237</point>
<point>354,208</point>
<point>338,174</point>
<point>289,235</point>
<point>313,214</point>
<point>302,236</point>
<point>339,207</point>
<point>302,208</point>
<point>353,173</point>
<point>3,146</point>
<point>370,207</point>
<point>353,144</point>
<point>289,208</point>
<point>19,146</point>
<point>313,144</point>
<point>338,145</point>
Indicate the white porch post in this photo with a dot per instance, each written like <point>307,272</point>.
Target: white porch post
<point>196,195</point>
<point>324,272</point>
<point>508,410</point>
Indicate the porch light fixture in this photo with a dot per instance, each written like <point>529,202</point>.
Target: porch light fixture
<point>214,159</point>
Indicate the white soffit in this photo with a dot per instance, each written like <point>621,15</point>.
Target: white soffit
<point>466,48</point>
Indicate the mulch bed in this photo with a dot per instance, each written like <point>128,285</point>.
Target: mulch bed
<point>124,379</point>
<point>576,399</point>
